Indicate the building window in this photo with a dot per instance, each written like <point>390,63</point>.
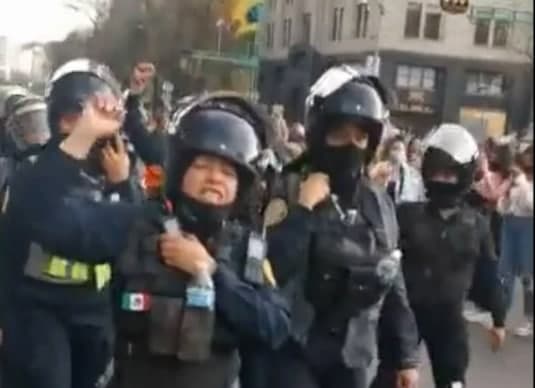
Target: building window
<point>415,77</point>
<point>484,84</point>
<point>338,24</point>
<point>287,33</point>
<point>482,35</point>
<point>307,27</point>
<point>429,78</point>
<point>433,20</point>
<point>362,14</point>
<point>501,33</point>
<point>272,4</point>
<point>413,20</point>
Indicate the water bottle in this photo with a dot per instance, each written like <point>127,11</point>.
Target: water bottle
<point>198,319</point>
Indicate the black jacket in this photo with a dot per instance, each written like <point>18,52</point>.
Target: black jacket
<point>149,146</point>
<point>447,259</point>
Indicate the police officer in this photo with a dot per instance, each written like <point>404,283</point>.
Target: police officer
<point>447,254</point>
<point>332,239</point>
<point>60,235</point>
<point>26,129</point>
<point>8,96</point>
<point>209,173</point>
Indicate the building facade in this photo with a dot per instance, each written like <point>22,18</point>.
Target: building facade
<point>5,69</point>
<point>476,69</point>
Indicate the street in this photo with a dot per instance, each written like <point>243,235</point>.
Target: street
<point>510,368</point>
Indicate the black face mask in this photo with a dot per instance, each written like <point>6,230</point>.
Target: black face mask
<point>200,219</point>
<point>343,165</point>
<point>442,195</point>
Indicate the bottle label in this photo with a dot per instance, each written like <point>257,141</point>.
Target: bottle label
<point>200,297</point>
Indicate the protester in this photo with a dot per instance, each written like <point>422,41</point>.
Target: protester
<point>516,206</point>
<point>415,152</point>
<point>405,182</point>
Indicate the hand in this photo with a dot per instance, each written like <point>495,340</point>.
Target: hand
<point>101,118</point>
<point>186,253</point>
<point>496,338</point>
<point>314,190</point>
<point>142,74</point>
<point>407,378</point>
<point>115,161</point>
<point>381,173</point>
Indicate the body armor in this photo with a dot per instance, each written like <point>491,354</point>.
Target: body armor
<point>154,327</point>
<point>351,266</point>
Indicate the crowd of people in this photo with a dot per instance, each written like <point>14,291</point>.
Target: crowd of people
<point>216,245</point>
<point>502,189</point>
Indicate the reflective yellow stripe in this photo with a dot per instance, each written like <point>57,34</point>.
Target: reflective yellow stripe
<point>80,272</point>
<point>77,272</point>
<point>57,267</point>
<point>102,275</point>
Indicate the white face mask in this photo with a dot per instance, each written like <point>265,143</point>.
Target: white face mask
<point>398,157</point>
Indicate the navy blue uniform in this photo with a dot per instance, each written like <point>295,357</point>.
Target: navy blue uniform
<point>57,240</point>
<point>246,314</point>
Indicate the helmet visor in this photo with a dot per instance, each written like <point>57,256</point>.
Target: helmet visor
<point>29,127</point>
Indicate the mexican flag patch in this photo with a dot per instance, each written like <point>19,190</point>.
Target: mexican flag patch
<point>135,302</point>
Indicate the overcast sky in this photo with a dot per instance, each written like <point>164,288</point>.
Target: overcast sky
<point>37,20</point>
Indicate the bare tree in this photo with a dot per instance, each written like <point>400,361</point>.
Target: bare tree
<point>96,11</point>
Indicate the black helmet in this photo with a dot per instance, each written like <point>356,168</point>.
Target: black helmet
<point>26,125</point>
<point>357,100</point>
<point>73,83</point>
<point>449,147</point>
<point>222,124</point>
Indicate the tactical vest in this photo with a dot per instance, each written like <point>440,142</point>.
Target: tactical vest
<point>152,295</point>
<point>348,269</point>
<point>352,264</point>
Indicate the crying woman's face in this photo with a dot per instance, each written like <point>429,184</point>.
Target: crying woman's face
<point>211,180</point>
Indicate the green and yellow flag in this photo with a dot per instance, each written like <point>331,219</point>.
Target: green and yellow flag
<point>243,16</point>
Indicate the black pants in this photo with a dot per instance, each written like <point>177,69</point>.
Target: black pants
<point>167,372</point>
<point>44,349</point>
<point>443,330</point>
<point>320,366</point>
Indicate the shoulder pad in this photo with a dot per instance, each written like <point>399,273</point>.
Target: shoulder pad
<point>269,275</point>
<point>299,165</point>
<point>276,211</point>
